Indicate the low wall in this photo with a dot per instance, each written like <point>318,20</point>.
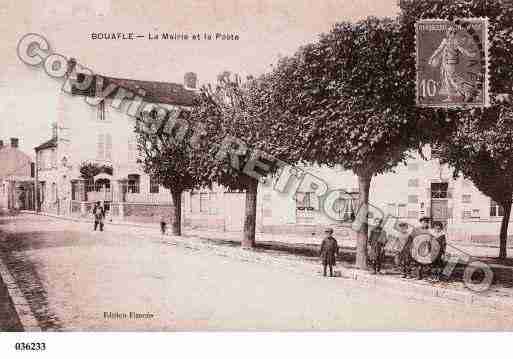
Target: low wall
<point>147,212</point>
<point>129,212</point>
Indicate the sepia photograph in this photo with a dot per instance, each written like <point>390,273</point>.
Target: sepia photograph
<point>237,166</point>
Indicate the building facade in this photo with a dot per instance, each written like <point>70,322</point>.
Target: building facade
<point>16,178</point>
<point>419,188</point>
<point>102,138</point>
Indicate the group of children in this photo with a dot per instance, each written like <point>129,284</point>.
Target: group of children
<point>421,250</point>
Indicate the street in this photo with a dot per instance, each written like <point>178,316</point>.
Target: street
<point>123,280</point>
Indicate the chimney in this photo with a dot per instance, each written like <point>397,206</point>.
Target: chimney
<point>190,80</point>
<point>14,142</point>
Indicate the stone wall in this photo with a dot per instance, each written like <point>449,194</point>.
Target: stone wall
<point>147,213</point>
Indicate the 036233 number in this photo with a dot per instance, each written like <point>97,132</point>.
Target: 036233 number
<point>30,346</point>
<point>428,88</point>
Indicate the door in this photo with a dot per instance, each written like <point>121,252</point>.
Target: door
<point>439,202</point>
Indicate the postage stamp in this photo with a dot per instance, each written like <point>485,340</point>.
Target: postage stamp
<point>452,62</point>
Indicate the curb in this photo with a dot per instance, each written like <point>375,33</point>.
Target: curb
<point>465,297</point>
<point>422,291</point>
<point>25,315</point>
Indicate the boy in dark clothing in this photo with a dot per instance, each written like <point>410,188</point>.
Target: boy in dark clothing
<point>404,260</point>
<point>163,225</point>
<point>329,251</point>
<point>377,241</point>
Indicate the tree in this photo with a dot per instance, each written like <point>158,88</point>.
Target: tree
<point>350,96</point>
<point>88,170</point>
<point>481,149</point>
<point>168,158</point>
<point>234,141</point>
<point>479,144</point>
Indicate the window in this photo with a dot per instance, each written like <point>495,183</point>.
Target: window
<point>413,198</point>
<point>304,207</point>
<point>42,192</point>
<point>134,183</point>
<point>204,199</point>
<point>304,200</point>
<point>54,158</point>
<point>413,166</point>
<point>39,161</point>
<point>54,192</point>
<point>154,185</point>
<point>74,190</point>
<point>101,111</point>
<point>104,146</point>
<point>495,209</point>
<point>439,190</point>
<point>413,182</point>
<point>413,214</point>
<point>108,146</point>
<point>475,213</point>
<point>466,214</point>
<point>466,198</point>
<point>401,210</point>
<point>344,207</point>
<point>132,149</point>
<point>101,185</point>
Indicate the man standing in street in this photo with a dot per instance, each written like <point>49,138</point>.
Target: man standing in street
<point>329,251</point>
<point>99,216</point>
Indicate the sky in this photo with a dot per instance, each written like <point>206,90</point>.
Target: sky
<point>267,30</point>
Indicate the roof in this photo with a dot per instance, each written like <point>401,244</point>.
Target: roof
<point>48,144</point>
<point>156,92</point>
<point>14,162</point>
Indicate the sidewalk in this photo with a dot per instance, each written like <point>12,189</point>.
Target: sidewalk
<point>300,254</point>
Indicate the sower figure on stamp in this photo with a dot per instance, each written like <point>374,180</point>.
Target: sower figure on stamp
<point>99,216</point>
<point>447,56</point>
<point>329,251</point>
<point>377,241</point>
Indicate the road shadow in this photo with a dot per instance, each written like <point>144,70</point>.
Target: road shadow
<point>309,252</point>
<point>9,320</point>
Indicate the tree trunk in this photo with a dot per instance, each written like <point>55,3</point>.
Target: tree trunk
<point>364,182</point>
<point>248,239</point>
<point>503,238</point>
<point>176,221</point>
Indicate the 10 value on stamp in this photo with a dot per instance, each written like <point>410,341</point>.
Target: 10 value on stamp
<point>452,63</point>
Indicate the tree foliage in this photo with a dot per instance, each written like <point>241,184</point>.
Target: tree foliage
<point>234,133</point>
<point>479,144</point>
<point>350,97</point>
<point>168,158</point>
<point>89,170</point>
